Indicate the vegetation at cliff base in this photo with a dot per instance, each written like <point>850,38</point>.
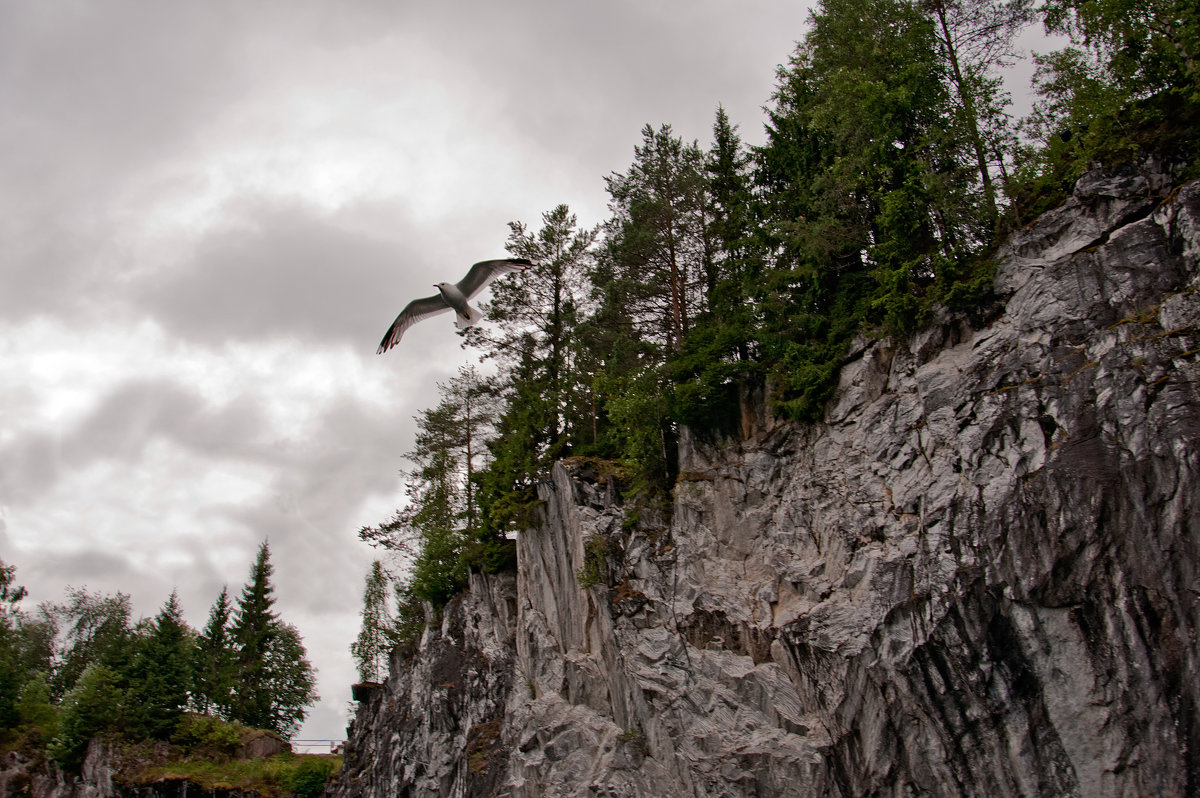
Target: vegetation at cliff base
<point>84,669</point>
<point>891,167</point>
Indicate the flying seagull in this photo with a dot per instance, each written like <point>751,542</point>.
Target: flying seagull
<point>452,296</point>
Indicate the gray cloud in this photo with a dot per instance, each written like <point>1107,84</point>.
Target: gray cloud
<point>285,271</point>
<point>119,428</point>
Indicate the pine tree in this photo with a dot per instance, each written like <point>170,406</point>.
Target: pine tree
<point>216,666</point>
<point>976,38</point>
<point>537,314</point>
<point>657,241</point>
<point>533,336</point>
<point>377,635</point>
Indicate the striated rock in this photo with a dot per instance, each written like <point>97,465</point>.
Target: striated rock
<point>978,577</point>
<point>442,709</point>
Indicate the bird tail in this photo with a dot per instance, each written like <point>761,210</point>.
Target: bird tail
<point>472,318</point>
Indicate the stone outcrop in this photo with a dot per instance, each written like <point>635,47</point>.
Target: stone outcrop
<point>105,770</point>
<point>978,577</point>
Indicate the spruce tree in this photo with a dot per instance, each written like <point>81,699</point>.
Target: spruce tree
<point>254,631</point>
<point>275,681</point>
<point>870,198</point>
<point>720,353</point>
<point>216,665</point>
<point>161,673</point>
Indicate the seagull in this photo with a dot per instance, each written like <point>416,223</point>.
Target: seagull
<point>452,296</point>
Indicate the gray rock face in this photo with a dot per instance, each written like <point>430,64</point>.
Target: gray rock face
<point>978,577</point>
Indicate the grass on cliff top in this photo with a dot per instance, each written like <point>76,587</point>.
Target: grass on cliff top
<point>300,775</point>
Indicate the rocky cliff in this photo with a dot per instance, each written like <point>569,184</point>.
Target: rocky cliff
<point>977,577</point>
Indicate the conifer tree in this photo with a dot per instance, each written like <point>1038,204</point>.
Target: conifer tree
<point>869,195</point>
<point>377,635</point>
<point>161,673</point>
<point>720,352</point>
<point>254,633</point>
<point>976,37</point>
<point>533,336</point>
<point>274,679</point>
<point>216,669</point>
<point>657,241</point>
<point>12,675</point>
<point>537,315</point>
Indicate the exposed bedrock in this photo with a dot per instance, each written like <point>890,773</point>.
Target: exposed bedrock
<point>978,576</point>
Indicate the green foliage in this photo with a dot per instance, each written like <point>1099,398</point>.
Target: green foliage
<point>98,631</point>
<point>491,555</point>
<point>1147,46</point>
<point>439,572</point>
<point>207,735</point>
<point>890,166</point>
<point>11,671</point>
<point>160,674</point>
<point>254,631</point>
<point>410,615</point>
<point>311,774</point>
<point>35,712</point>
<point>215,670</point>
<point>276,776</point>
<point>377,634</point>
<point>641,434</point>
<point>132,682</point>
<point>94,705</point>
<point>291,682</point>
<point>275,681</point>
<point>594,570</point>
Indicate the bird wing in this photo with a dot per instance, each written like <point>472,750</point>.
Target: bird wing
<point>413,312</point>
<point>485,271</point>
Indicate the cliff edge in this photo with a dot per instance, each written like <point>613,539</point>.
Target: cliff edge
<point>978,576</point>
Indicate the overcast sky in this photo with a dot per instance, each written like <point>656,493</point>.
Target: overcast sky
<point>210,212</point>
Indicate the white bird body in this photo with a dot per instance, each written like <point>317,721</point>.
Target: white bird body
<point>465,314</point>
<point>452,296</point>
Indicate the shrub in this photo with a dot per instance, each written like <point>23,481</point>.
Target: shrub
<point>308,780</point>
<point>204,733</point>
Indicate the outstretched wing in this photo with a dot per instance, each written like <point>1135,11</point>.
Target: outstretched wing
<point>485,271</point>
<point>413,312</point>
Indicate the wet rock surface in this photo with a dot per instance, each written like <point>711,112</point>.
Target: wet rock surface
<point>979,576</point>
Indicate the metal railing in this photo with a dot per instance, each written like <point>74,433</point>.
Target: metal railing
<point>317,746</point>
